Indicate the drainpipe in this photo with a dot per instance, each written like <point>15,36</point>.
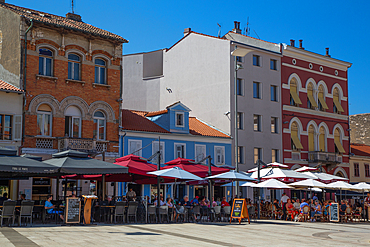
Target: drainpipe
<point>25,80</point>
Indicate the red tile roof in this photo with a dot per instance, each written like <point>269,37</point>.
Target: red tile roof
<point>62,22</point>
<point>137,121</point>
<point>4,86</point>
<point>360,149</point>
<point>155,113</point>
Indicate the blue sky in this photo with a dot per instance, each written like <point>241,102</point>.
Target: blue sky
<point>343,26</point>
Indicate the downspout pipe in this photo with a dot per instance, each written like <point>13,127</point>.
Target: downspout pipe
<point>25,80</point>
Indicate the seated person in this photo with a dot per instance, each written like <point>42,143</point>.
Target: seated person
<point>49,207</point>
<point>224,203</point>
<point>342,208</point>
<point>4,198</point>
<point>297,204</point>
<point>195,201</point>
<point>277,206</point>
<point>23,197</point>
<point>185,202</point>
<point>161,202</point>
<point>317,209</point>
<point>303,204</point>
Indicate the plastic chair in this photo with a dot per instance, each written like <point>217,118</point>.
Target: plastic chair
<point>227,212</point>
<point>152,210</point>
<point>26,211</point>
<point>180,211</point>
<point>252,213</point>
<point>217,210</point>
<point>131,211</point>
<point>196,211</point>
<point>163,211</point>
<point>119,211</point>
<point>8,211</point>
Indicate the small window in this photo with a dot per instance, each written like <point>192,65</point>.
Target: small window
<point>367,171</point>
<point>239,86</point>
<point>6,127</point>
<point>273,64</point>
<point>134,147</point>
<point>100,71</point>
<point>275,155</point>
<point>200,152</point>
<point>274,96</point>
<point>357,169</point>
<point>274,125</point>
<point>240,120</point>
<point>241,155</point>
<point>256,90</point>
<point>257,154</point>
<point>74,65</point>
<point>239,59</point>
<point>257,122</point>
<point>179,119</point>
<point>45,62</point>
<point>99,126</point>
<point>180,151</point>
<point>158,146</point>
<point>44,120</point>
<point>256,60</point>
<point>219,155</point>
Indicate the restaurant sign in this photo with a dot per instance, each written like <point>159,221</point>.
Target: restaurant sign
<point>73,210</point>
<point>239,210</point>
<point>334,209</point>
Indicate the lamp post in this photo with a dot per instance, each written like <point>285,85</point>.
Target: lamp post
<point>237,52</point>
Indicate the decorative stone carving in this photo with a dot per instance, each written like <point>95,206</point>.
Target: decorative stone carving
<point>103,106</point>
<point>76,101</point>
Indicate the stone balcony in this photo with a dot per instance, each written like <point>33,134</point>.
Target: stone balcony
<point>324,157</point>
<point>91,146</point>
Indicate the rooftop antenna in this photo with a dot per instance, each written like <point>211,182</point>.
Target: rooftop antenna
<point>256,34</point>
<point>247,29</point>
<point>219,30</point>
<point>73,11</point>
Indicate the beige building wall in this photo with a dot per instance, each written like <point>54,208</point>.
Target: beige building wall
<point>361,160</point>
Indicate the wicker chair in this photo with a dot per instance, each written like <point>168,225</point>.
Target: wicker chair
<point>358,214</point>
<point>305,214</point>
<point>276,212</point>
<point>349,214</point>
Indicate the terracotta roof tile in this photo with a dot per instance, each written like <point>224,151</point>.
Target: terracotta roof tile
<point>4,86</point>
<point>197,127</point>
<point>360,149</point>
<point>136,120</point>
<point>155,113</point>
<point>62,22</point>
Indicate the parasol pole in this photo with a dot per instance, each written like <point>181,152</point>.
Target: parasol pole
<point>210,181</point>
<point>57,192</point>
<point>158,177</point>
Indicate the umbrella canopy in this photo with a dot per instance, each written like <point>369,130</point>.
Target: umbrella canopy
<point>194,168</point>
<point>309,183</point>
<point>324,177</point>
<point>10,162</point>
<point>29,156</point>
<point>363,186</point>
<point>273,164</point>
<point>176,172</point>
<point>280,174</point>
<point>75,162</point>
<point>306,169</point>
<point>271,184</point>
<point>136,164</point>
<point>340,185</point>
<point>244,184</point>
<point>232,175</point>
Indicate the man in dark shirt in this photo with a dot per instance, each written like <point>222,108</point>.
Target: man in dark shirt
<point>4,198</point>
<point>342,210</point>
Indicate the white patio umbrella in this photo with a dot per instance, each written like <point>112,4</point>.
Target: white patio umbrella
<point>175,172</point>
<point>281,174</point>
<point>244,184</point>
<point>365,188</point>
<point>309,183</point>
<point>306,169</point>
<point>341,185</point>
<point>271,184</point>
<point>273,164</point>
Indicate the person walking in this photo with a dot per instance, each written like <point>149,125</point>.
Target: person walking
<point>283,202</point>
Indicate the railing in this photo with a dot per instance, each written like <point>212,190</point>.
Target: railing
<point>296,156</point>
<point>318,156</point>
<point>44,142</point>
<point>82,144</point>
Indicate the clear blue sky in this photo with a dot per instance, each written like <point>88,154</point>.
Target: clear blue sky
<point>343,26</point>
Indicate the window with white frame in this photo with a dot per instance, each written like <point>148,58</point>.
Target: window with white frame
<point>156,146</point>
<point>99,125</point>
<point>44,120</point>
<point>219,155</point>
<point>73,122</point>
<point>6,125</point>
<point>200,152</point>
<point>180,150</point>
<point>45,62</point>
<point>179,119</point>
<point>74,65</point>
<point>134,147</point>
<point>100,71</point>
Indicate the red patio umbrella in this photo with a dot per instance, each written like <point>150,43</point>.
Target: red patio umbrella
<point>191,166</point>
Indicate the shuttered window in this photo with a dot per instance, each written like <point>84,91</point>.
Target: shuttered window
<point>134,147</point>
<point>294,98</point>
<point>337,142</point>
<point>296,143</point>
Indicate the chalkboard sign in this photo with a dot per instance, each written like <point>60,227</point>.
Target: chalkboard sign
<point>239,210</point>
<point>334,212</point>
<point>73,210</point>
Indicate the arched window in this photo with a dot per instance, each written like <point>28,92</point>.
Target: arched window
<point>337,107</point>
<point>294,134</point>
<point>44,123</point>
<point>45,62</point>
<point>338,142</point>
<point>100,71</point>
<point>73,122</point>
<point>74,65</point>
<point>99,125</point>
<point>311,138</point>
<point>311,102</point>
<point>294,97</point>
<point>322,139</point>
<point>322,104</point>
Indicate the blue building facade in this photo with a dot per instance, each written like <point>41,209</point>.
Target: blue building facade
<point>176,135</point>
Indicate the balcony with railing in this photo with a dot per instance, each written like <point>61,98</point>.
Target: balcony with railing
<point>324,157</point>
<point>91,146</point>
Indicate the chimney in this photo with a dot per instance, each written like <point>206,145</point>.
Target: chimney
<point>300,44</point>
<point>73,16</point>
<point>187,31</point>
<point>292,42</point>
<point>327,52</point>
<point>237,27</point>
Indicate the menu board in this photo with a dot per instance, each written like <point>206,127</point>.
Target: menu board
<point>239,210</point>
<point>334,212</point>
<point>73,210</point>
